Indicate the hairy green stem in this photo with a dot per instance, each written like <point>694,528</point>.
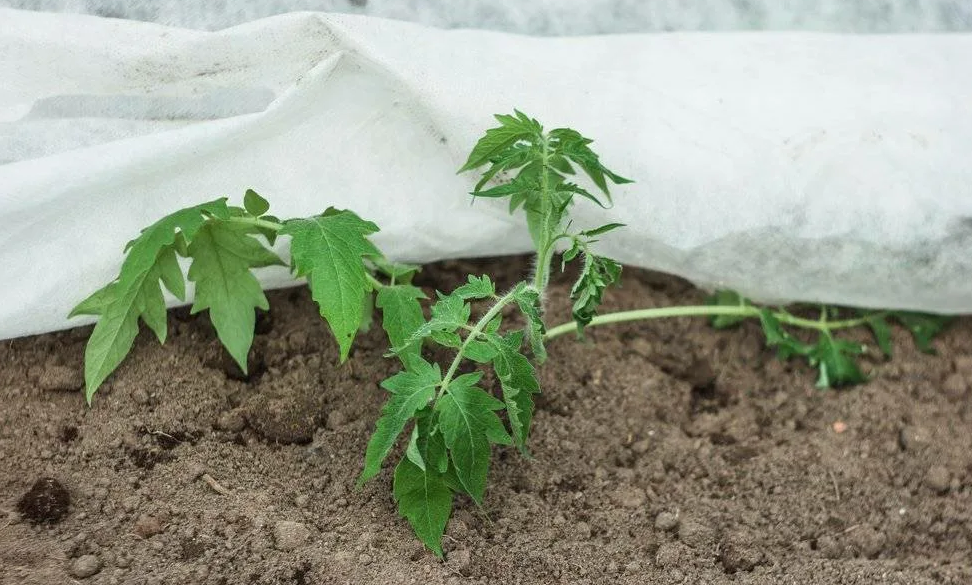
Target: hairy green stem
<point>473,333</point>
<point>545,247</point>
<point>706,311</point>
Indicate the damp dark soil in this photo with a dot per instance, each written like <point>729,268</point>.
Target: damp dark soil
<point>663,452</point>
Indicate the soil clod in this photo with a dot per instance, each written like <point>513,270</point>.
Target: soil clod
<point>47,501</point>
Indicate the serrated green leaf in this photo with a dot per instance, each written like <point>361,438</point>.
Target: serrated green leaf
<point>255,204</point>
<point>835,360</point>
<point>519,382</point>
<point>171,273</point>
<point>923,327</point>
<point>469,424</point>
<point>477,287</point>
<point>528,301</point>
<point>425,501</point>
<point>411,391</point>
<point>136,293</point>
<point>447,339</point>
<point>329,250</point>
<point>776,336</point>
<point>882,333</point>
<point>479,352</point>
<point>96,303</point>
<point>598,273</point>
<point>726,298</point>
<point>426,447</point>
<point>602,229</point>
<point>496,140</point>
<point>401,315</point>
<point>222,256</point>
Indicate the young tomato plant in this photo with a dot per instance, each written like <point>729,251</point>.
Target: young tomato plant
<point>331,250</point>
<point>543,161</point>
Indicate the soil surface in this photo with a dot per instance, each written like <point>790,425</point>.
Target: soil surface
<point>664,452</point>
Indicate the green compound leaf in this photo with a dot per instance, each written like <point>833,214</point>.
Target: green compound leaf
<point>411,391</point>
<point>478,287</point>
<point>401,315</point>
<point>427,446</point>
<point>254,204</point>
<point>882,333</point>
<point>835,359</point>
<point>923,327</point>
<point>511,130</point>
<point>598,274</point>
<point>448,314</point>
<point>776,336</point>
<point>519,382</point>
<point>726,298</point>
<point>222,256</point>
<point>425,500</point>
<point>329,250</point>
<point>136,293</point>
<point>528,301</point>
<point>469,424</point>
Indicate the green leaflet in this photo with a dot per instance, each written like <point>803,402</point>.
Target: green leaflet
<point>469,423</point>
<point>329,250</point>
<point>511,130</point>
<point>726,298</point>
<point>222,256</point>
<point>519,382</point>
<point>598,274</point>
<point>410,391</point>
<point>254,204</point>
<point>528,301</point>
<point>478,287</point>
<point>401,315</point>
<point>835,361</point>
<point>136,292</point>
<point>923,327</point>
<point>425,500</point>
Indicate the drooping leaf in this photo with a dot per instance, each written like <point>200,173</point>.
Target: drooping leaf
<point>835,360</point>
<point>424,500</point>
<point>329,250</point>
<point>882,333</point>
<point>401,315</point>
<point>776,336</point>
<point>528,301</point>
<point>469,424</point>
<point>923,327</point>
<point>411,391</point>
<point>223,255</point>
<point>519,383</point>
<point>598,273</point>
<point>136,293</point>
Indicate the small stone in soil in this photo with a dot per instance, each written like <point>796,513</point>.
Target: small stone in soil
<point>629,497</point>
<point>46,501</point>
<point>867,541</point>
<point>147,526</point>
<point>938,479</point>
<point>288,535</point>
<point>85,566</point>
<point>739,554</point>
<point>696,534</point>
<point>666,521</point>
<point>672,554</point>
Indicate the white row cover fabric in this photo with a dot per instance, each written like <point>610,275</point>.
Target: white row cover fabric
<point>556,17</point>
<point>788,166</point>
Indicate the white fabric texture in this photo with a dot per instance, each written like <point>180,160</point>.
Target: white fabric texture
<point>789,166</point>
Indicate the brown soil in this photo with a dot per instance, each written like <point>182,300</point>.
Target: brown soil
<point>664,452</point>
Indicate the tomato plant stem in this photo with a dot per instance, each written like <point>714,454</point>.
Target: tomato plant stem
<point>706,311</point>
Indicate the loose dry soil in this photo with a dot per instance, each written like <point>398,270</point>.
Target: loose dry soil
<point>664,452</point>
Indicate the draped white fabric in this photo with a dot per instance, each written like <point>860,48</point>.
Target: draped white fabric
<point>790,166</point>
